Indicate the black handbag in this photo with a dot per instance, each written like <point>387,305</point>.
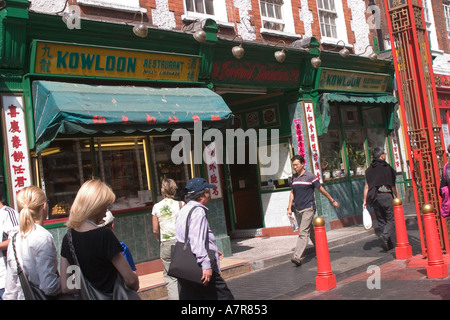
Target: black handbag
<point>30,290</point>
<point>89,292</point>
<point>183,263</point>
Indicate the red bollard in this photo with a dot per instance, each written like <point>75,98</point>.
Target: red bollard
<point>436,267</point>
<point>325,279</point>
<point>403,249</point>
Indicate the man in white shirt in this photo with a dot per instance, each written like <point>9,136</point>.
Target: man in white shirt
<point>9,218</point>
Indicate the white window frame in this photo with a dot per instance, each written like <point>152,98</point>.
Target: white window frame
<point>287,20</point>
<point>119,5</point>
<point>220,14</point>
<point>447,19</point>
<point>429,23</point>
<point>341,29</point>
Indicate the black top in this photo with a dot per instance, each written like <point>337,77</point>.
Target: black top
<point>380,173</point>
<point>95,250</point>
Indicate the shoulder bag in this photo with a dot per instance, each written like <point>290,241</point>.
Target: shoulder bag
<point>183,263</point>
<point>30,290</point>
<point>89,292</point>
<point>445,204</point>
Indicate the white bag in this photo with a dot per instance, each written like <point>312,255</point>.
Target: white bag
<point>367,219</point>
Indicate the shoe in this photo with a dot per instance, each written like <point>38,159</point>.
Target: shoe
<point>297,263</point>
<point>384,244</point>
<point>390,244</point>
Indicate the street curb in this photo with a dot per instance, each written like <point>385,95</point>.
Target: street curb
<point>310,250</point>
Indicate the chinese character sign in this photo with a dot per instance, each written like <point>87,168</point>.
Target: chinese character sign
<point>313,139</point>
<point>210,157</point>
<point>395,148</point>
<point>299,135</point>
<point>16,142</point>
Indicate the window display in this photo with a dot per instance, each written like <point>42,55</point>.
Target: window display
<point>161,149</point>
<point>331,155</point>
<point>359,129</point>
<point>118,161</point>
<point>281,178</point>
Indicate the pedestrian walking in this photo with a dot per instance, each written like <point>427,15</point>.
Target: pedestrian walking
<point>108,222</point>
<point>214,286</point>
<point>97,249</point>
<point>35,248</point>
<point>164,216</point>
<point>9,218</point>
<point>379,191</point>
<point>302,202</point>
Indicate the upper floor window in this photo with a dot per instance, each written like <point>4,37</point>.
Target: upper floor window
<point>327,18</point>
<point>272,14</point>
<point>203,9</point>
<point>429,23</point>
<point>121,5</point>
<point>200,6</point>
<point>447,20</point>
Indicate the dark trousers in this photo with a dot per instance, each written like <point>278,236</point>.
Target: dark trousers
<point>384,212</point>
<point>216,289</point>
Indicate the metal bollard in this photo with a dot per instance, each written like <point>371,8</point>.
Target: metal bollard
<point>403,250</point>
<point>325,279</point>
<point>436,267</point>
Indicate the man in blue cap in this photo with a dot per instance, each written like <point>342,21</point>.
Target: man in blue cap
<point>214,286</point>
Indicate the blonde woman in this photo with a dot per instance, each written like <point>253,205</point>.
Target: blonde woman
<point>164,214</point>
<point>35,247</point>
<point>98,251</point>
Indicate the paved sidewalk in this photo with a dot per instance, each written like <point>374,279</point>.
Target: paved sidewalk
<point>252,254</point>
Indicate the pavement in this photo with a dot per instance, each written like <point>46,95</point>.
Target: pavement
<point>267,257</point>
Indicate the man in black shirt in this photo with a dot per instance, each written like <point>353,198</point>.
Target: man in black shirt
<point>379,192</point>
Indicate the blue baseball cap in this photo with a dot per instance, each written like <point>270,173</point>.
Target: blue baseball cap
<point>198,184</point>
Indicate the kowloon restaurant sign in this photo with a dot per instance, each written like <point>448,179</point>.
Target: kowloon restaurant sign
<point>331,79</point>
<point>54,58</point>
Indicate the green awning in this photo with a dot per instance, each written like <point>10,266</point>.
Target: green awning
<point>69,108</point>
<point>323,114</point>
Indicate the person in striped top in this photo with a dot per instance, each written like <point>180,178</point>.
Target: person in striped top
<point>303,204</point>
<point>9,218</point>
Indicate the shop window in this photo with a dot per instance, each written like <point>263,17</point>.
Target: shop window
<point>280,179</point>
<point>359,129</point>
<point>164,167</point>
<point>357,161</point>
<point>350,116</point>
<point>63,167</point>
<point>120,162</point>
<point>331,155</point>
<point>372,115</point>
<point>376,137</point>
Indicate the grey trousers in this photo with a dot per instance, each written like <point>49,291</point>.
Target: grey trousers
<point>384,212</point>
<point>172,283</point>
<point>306,230</point>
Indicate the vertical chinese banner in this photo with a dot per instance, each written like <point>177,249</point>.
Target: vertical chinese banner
<point>299,135</point>
<point>395,148</point>
<point>313,139</point>
<point>213,170</point>
<point>17,153</point>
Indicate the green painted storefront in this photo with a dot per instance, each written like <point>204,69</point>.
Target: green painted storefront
<point>261,93</point>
